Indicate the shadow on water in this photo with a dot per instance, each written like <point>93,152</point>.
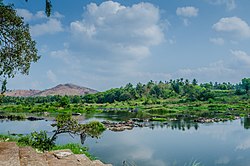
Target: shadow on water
<point>183,125</point>
<point>115,116</point>
<point>245,122</point>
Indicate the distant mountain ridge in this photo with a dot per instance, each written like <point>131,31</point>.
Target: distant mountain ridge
<point>61,89</point>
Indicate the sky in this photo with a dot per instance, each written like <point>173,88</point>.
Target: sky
<point>107,44</point>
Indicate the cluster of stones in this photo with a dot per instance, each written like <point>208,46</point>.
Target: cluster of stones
<point>119,126</point>
<point>211,120</point>
<point>128,125</point>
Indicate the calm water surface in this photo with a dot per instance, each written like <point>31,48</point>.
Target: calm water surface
<point>177,144</point>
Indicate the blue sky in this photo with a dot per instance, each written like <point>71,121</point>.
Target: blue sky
<point>106,44</point>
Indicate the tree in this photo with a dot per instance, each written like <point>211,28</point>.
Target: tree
<point>66,124</point>
<point>3,89</point>
<point>63,124</point>
<point>194,82</point>
<point>245,83</point>
<point>17,49</point>
<point>65,101</point>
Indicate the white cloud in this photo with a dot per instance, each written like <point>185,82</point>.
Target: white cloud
<point>111,40</point>
<point>233,25</point>
<point>223,160</point>
<point>217,71</point>
<point>186,22</point>
<point>188,11</point>
<point>244,145</point>
<point>242,57</point>
<point>113,25</point>
<point>52,26</point>
<point>40,24</point>
<point>40,15</point>
<point>67,57</point>
<point>230,4</point>
<point>27,15</point>
<point>217,41</point>
<point>234,68</point>
<point>51,76</point>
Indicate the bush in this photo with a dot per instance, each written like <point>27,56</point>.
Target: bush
<point>40,141</point>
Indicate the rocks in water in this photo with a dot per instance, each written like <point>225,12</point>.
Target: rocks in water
<point>46,113</point>
<point>128,125</point>
<point>76,114</point>
<point>12,116</point>
<point>211,120</point>
<point>32,118</point>
<point>119,126</point>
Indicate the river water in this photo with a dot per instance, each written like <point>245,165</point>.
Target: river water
<point>181,143</point>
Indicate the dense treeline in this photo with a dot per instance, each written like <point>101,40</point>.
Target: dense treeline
<point>163,90</point>
<point>179,88</point>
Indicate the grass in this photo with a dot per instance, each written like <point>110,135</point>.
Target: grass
<point>224,104</point>
<point>8,138</point>
<point>158,119</point>
<point>76,149</point>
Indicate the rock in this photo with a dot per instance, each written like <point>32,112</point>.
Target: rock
<point>76,114</point>
<point>12,155</point>
<point>70,160</point>
<point>9,154</point>
<point>61,154</point>
<point>29,157</point>
<point>32,118</point>
<point>46,113</point>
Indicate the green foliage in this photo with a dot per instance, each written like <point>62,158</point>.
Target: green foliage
<point>158,119</point>
<point>29,140</point>
<point>8,138</point>
<point>65,101</point>
<point>66,124</point>
<point>141,114</point>
<point>17,49</point>
<point>4,88</point>
<point>93,129</point>
<point>245,83</point>
<point>75,148</point>
<point>38,140</point>
<point>149,93</point>
<point>12,116</point>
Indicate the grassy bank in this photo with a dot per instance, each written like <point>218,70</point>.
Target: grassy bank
<point>75,148</point>
<point>223,106</point>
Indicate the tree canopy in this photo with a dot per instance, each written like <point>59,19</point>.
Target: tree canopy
<point>17,49</point>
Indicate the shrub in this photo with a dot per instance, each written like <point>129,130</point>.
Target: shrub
<point>40,141</point>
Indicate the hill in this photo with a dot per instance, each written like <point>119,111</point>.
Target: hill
<point>61,89</point>
<point>23,93</point>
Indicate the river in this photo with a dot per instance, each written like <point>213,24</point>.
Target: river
<point>177,144</point>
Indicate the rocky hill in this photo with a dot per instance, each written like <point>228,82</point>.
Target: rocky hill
<point>61,89</point>
<point>23,93</point>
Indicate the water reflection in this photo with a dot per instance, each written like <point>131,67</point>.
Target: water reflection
<point>116,116</point>
<point>83,137</point>
<point>175,143</point>
<point>245,122</point>
<point>183,125</point>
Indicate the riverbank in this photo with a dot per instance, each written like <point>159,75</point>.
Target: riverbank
<point>12,155</point>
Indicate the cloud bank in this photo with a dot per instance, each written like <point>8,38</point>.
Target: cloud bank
<point>188,11</point>
<point>234,25</point>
